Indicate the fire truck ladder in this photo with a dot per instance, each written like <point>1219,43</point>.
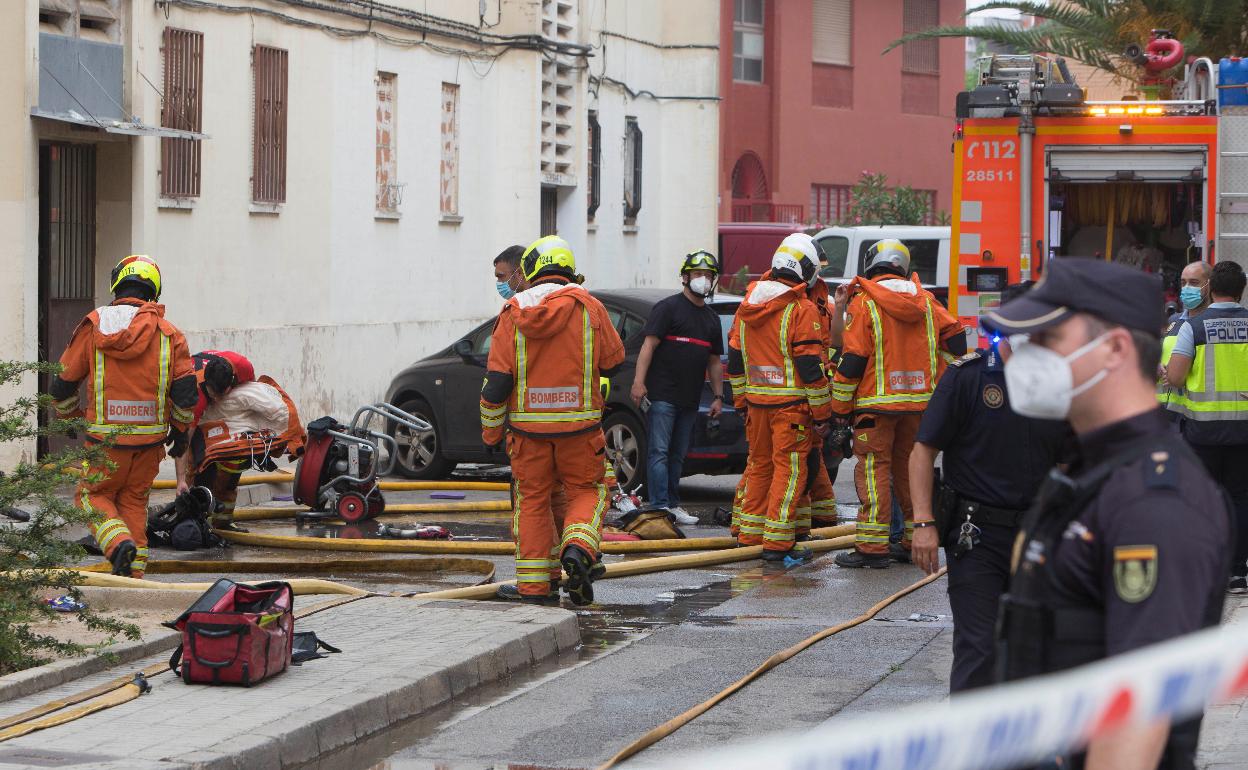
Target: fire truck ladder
<point>1233,184</point>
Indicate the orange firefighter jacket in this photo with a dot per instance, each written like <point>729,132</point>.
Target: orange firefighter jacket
<point>140,379</point>
<point>549,347</point>
<point>776,350</point>
<point>894,334</point>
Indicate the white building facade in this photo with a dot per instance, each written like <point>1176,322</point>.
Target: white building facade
<point>325,184</point>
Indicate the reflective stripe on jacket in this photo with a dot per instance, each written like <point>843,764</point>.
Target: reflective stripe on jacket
<point>893,355</point>
<point>131,358</point>
<point>774,327</point>
<point>1166,393</point>
<point>552,341</point>
<point>1214,401</point>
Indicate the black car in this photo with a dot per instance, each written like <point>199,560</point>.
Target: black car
<point>445,388</point>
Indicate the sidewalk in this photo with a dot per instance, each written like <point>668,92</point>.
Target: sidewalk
<point>1223,734</point>
<point>401,657</point>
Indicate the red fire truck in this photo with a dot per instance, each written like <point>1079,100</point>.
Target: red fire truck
<point>1040,173</point>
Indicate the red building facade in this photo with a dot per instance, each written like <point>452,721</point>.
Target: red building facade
<point>810,103</point>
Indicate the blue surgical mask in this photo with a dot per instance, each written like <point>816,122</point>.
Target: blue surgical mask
<point>504,290</point>
<point>1191,296</point>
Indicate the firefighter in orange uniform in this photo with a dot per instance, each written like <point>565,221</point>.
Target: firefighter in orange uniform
<point>140,395</point>
<point>898,340</point>
<point>776,359</point>
<point>541,393</point>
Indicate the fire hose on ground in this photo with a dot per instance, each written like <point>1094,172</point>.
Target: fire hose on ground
<point>494,548</point>
<point>126,689</point>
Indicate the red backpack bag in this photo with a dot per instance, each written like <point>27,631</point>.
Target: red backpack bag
<point>235,634</point>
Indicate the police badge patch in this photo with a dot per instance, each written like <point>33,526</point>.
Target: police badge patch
<point>1135,572</point>
<point>994,397</point>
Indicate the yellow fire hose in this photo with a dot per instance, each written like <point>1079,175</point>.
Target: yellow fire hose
<point>655,564</point>
<point>495,548</point>
<point>672,725</point>
<point>123,689</point>
<point>97,574</point>
<point>114,693</point>
<point>290,512</point>
<point>392,486</point>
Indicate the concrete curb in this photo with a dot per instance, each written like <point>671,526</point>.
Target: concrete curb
<point>33,680</point>
<point>297,740</point>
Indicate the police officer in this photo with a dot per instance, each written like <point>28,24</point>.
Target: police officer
<point>1131,548</point>
<point>1209,366</point>
<point>994,461</point>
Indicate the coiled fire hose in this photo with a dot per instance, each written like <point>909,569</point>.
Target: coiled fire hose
<point>672,725</point>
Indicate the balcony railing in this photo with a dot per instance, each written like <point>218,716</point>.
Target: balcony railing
<point>754,211</point>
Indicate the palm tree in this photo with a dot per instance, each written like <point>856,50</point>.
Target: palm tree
<point>1096,32</point>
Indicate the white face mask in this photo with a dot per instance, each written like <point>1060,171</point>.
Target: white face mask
<point>700,285</point>
<point>1040,382</point>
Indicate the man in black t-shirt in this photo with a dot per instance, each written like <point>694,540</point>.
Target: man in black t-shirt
<point>682,349</point>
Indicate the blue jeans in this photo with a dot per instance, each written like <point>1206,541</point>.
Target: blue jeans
<point>669,431</point>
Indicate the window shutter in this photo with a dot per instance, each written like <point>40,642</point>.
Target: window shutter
<point>831,29</point>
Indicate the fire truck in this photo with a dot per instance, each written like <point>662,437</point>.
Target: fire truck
<point>1041,173</point>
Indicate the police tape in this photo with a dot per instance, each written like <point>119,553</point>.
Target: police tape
<point>1017,724</point>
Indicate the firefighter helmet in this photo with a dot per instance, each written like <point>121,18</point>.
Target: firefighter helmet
<point>548,255</point>
<point>137,268</point>
<point>797,259</point>
<point>888,254</point>
<point>699,260</point>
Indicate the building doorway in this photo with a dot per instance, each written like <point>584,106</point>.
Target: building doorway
<point>67,236</point>
<point>550,211</point>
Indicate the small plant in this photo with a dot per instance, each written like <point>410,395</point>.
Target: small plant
<point>875,203</point>
<point>31,554</point>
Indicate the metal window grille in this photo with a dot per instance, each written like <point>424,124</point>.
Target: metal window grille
<point>182,109</point>
<point>920,56</point>
<point>70,221</point>
<point>632,168</point>
<point>268,167</point>
<point>594,188</point>
<point>830,203</point>
<point>388,192</point>
<point>449,174</point>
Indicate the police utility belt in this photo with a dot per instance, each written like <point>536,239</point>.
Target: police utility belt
<point>955,512</point>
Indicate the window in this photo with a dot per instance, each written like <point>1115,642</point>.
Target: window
<point>388,189</point>
<point>921,56</point>
<point>836,249</point>
<point>183,110</point>
<point>268,149</point>
<point>747,41</point>
<point>632,168</point>
<point>448,199</point>
<point>830,29</point>
<point>829,203</point>
<point>924,257</point>
<point>594,186</point>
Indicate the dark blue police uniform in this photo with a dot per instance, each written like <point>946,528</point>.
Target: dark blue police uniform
<point>993,462</point>
<point>1131,549</point>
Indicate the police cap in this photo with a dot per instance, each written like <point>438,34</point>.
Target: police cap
<point>1118,295</point>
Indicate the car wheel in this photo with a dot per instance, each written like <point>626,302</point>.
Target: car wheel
<point>420,454</point>
<point>626,446</point>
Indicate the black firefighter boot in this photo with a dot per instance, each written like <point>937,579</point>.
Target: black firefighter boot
<point>123,557</point>
<point>579,567</point>
<point>856,559</point>
<point>511,592</point>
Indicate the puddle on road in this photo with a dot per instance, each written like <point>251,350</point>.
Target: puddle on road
<point>604,629</point>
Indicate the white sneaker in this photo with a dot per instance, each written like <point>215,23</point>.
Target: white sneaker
<point>682,516</point>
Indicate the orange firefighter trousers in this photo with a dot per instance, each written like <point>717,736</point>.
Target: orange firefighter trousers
<point>540,465</point>
<point>882,444</point>
<point>121,498</point>
<point>558,509</point>
<point>780,441</point>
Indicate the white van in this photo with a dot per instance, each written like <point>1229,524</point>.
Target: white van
<point>846,249</point>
